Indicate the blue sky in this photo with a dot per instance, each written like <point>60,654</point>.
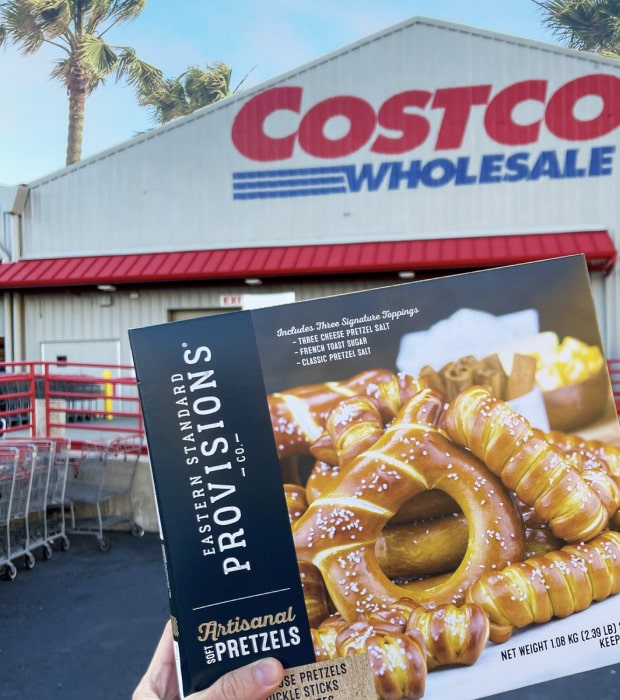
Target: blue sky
<point>257,39</point>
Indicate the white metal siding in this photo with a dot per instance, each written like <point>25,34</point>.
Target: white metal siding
<point>172,189</point>
<point>91,316</point>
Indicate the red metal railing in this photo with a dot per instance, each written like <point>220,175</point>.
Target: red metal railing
<point>614,373</point>
<point>84,400</point>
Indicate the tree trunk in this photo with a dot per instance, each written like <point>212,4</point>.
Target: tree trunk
<point>75,132</point>
<point>77,87</point>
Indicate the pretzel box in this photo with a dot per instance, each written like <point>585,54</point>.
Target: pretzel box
<point>373,487</point>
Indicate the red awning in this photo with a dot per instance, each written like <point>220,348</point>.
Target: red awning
<point>298,261</point>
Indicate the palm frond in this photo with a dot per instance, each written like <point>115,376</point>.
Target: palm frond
<point>112,12</point>
<point>99,55</point>
<point>20,26</point>
<point>139,74</point>
<point>586,25</point>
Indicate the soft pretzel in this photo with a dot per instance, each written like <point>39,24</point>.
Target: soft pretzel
<point>589,460</point>
<point>296,502</point>
<point>526,463</point>
<point>338,532</point>
<point>610,454</point>
<point>453,634</point>
<point>353,426</point>
<point>298,415</point>
<point>538,536</point>
<point>556,584</point>
<point>423,548</point>
<point>397,659</point>
<point>315,595</point>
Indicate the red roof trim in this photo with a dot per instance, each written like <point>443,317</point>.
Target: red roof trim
<point>297,261</point>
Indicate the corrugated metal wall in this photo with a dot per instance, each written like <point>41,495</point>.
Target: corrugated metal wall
<point>91,316</point>
<point>172,188</point>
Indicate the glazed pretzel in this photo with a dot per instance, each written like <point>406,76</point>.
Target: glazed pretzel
<point>526,463</point>
<point>453,634</point>
<point>339,530</point>
<point>599,464</point>
<point>423,548</point>
<point>398,660</point>
<point>607,453</point>
<point>556,584</point>
<point>298,415</point>
<point>296,502</point>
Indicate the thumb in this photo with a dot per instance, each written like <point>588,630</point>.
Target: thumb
<point>255,681</point>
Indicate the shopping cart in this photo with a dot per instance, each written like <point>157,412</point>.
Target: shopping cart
<point>26,473</point>
<point>34,519</point>
<point>100,472</point>
<point>9,457</point>
<point>55,525</point>
<point>46,521</point>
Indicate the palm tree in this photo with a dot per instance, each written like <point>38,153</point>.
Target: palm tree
<point>587,25</point>
<point>77,28</point>
<point>194,88</point>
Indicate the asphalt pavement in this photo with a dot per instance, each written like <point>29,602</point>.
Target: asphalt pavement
<point>83,626</point>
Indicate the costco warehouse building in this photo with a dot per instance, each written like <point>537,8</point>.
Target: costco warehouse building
<point>426,149</point>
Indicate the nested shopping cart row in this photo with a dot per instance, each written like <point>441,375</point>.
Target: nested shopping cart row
<point>49,490</point>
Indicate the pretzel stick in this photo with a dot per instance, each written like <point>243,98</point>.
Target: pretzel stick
<point>298,415</point>
<point>527,464</point>
<point>423,548</point>
<point>556,584</point>
<point>457,376</point>
<point>522,377</point>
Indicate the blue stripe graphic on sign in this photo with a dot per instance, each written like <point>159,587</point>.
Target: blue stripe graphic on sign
<point>290,182</point>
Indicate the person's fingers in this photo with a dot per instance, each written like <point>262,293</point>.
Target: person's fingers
<point>160,680</point>
<point>255,681</point>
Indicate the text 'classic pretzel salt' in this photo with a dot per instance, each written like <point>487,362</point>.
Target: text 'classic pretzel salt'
<point>339,530</point>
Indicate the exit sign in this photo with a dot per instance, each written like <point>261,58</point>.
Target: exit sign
<point>229,300</point>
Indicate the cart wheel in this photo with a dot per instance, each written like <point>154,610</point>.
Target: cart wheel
<point>104,545</point>
<point>48,552</point>
<point>29,560</point>
<point>65,543</point>
<point>137,530</point>
<point>11,571</point>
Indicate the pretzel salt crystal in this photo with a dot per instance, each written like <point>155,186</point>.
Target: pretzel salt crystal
<point>339,530</point>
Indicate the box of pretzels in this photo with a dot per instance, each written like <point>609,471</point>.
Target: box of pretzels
<point>397,491</point>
